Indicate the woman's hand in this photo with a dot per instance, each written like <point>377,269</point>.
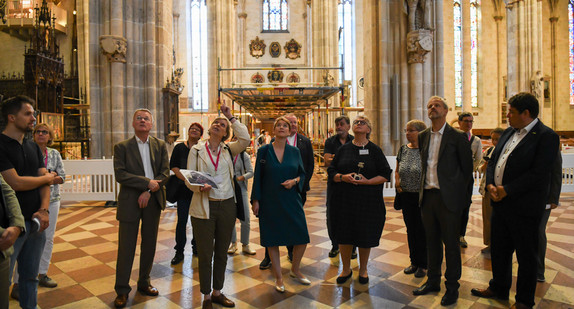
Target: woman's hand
<point>398,186</point>
<point>288,184</point>
<point>348,178</point>
<point>362,180</point>
<point>205,188</point>
<point>255,207</point>
<point>240,178</point>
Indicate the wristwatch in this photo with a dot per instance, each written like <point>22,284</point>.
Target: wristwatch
<point>341,177</point>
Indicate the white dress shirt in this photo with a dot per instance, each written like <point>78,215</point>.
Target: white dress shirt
<point>431,177</point>
<point>146,157</point>
<point>292,140</point>
<point>513,141</point>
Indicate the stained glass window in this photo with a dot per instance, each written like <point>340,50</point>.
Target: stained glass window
<point>474,21</point>
<point>275,15</point>
<point>571,41</point>
<point>457,18</point>
<point>198,41</point>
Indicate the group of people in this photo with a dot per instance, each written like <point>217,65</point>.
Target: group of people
<point>433,180</point>
<point>30,173</point>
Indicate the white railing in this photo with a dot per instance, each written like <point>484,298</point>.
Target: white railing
<point>93,180</point>
<point>89,180</point>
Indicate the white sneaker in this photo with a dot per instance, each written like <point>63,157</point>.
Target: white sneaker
<point>232,248</point>
<point>248,250</point>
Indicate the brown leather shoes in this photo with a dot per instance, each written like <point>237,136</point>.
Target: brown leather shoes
<point>121,301</point>
<point>207,304</point>
<point>148,290</point>
<point>519,306</point>
<point>487,293</point>
<point>222,300</point>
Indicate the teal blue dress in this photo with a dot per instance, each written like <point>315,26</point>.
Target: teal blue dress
<point>281,217</point>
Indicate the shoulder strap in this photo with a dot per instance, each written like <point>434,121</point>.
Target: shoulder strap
<point>242,154</point>
<point>231,156</point>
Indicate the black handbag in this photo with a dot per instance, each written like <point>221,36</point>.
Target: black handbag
<point>172,189</point>
<point>397,204</point>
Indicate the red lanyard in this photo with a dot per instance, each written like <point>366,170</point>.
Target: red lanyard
<point>46,158</point>
<point>294,141</point>
<point>235,160</point>
<point>215,163</point>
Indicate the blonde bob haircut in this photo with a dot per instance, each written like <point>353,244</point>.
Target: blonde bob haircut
<point>284,119</point>
<point>227,128</point>
<point>367,121</point>
<point>50,131</point>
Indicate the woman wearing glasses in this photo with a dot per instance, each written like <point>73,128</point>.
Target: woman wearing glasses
<point>358,173</point>
<point>407,183</point>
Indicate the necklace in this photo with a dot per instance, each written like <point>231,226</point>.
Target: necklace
<point>360,145</point>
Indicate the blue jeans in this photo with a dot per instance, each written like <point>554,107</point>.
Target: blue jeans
<point>28,250</point>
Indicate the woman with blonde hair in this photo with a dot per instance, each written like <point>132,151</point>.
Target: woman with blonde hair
<point>276,199</point>
<point>212,209</point>
<point>357,213</point>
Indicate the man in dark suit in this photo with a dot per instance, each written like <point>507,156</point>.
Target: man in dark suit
<point>518,181</point>
<point>446,172</point>
<point>141,164</point>
<point>306,149</point>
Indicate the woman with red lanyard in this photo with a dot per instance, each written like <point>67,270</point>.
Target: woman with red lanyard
<point>213,210</point>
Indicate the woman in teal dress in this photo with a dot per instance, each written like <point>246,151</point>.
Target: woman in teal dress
<point>276,200</point>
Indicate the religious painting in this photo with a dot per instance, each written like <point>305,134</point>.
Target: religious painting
<point>293,78</point>
<point>361,82</point>
<point>257,78</point>
<point>257,47</point>
<point>292,49</point>
<point>56,122</point>
<point>275,76</point>
<point>275,49</point>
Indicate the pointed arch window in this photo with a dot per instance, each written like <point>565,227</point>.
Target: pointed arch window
<point>474,22</point>
<point>571,47</point>
<point>457,19</point>
<point>275,15</point>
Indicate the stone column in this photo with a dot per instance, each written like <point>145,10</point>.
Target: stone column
<point>466,58</point>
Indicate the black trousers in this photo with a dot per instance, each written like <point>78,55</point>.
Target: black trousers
<point>511,233</point>
<point>542,241</point>
<point>416,235</point>
<point>181,226</point>
<point>442,226</point>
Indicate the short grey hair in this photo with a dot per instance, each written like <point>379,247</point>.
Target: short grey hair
<point>143,110</point>
<point>417,124</point>
<point>441,99</point>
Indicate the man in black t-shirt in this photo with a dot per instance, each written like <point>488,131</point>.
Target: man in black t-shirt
<point>22,166</point>
<point>332,144</point>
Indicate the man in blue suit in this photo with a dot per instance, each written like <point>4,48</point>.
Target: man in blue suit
<point>518,181</point>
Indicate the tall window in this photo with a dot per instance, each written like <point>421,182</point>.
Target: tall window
<point>346,38</point>
<point>474,21</point>
<point>457,17</point>
<point>571,41</point>
<point>275,15</point>
<point>198,45</point>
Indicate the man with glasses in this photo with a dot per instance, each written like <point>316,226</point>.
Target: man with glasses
<point>141,164</point>
<point>22,166</point>
<point>446,172</point>
<point>465,122</point>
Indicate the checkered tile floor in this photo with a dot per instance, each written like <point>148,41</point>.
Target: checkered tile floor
<point>85,257</point>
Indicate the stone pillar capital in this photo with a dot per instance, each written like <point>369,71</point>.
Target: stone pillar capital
<point>114,47</point>
<point>419,43</point>
<point>242,15</point>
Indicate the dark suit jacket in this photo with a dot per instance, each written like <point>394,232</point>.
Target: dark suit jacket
<point>555,181</point>
<point>526,177</point>
<point>129,172</point>
<point>10,213</point>
<point>306,150</point>
<point>454,166</point>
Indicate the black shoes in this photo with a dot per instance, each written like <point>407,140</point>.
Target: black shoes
<point>265,264</point>
<point>341,280</point>
<point>420,273</point>
<point>426,288</point>
<point>363,280</point>
<point>449,298</point>
<point>333,253</point>
<point>177,258</point>
<point>487,293</point>
<point>411,269</point>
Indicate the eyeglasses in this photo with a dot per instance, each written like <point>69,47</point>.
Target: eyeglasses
<point>468,121</point>
<point>140,118</point>
<point>194,129</point>
<point>43,132</point>
<point>359,123</point>
<point>409,131</point>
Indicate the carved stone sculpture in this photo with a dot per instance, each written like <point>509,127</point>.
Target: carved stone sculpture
<point>419,43</point>
<point>114,47</point>
<point>419,12</point>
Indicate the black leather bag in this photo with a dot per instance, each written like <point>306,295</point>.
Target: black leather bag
<point>172,189</point>
<point>238,195</point>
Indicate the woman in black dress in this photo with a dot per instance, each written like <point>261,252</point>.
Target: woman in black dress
<point>358,172</point>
